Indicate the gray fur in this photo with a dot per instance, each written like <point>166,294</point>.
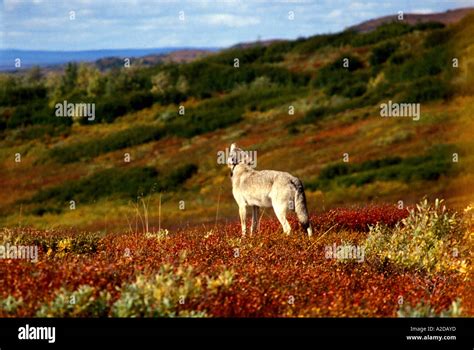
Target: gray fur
<point>265,189</point>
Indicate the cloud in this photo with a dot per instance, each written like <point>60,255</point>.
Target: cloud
<point>45,24</point>
<point>334,14</point>
<point>229,20</point>
<point>425,11</point>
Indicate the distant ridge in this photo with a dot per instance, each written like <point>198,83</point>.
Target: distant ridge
<point>40,58</point>
<point>448,17</point>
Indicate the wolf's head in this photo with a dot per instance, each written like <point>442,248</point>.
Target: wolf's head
<point>237,156</point>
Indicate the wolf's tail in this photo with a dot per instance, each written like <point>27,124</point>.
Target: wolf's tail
<point>301,208</point>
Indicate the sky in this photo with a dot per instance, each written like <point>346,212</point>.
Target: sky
<point>107,24</point>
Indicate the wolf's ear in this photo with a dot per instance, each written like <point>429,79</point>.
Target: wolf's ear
<point>232,147</point>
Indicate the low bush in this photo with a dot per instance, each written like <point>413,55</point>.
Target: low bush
<point>383,32</point>
<point>126,138</point>
<point>425,309</point>
<point>428,167</point>
<point>422,241</point>
<point>429,63</point>
<point>427,89</point>
<point>60,245</point>
<point>168,293</point>
<point>33,113</point>
<point>437,37</point>
<point>336,79</point>
<point>84,302</point>
<point>39,132</point>
<point>382,52</point>
<point>10,306</point>
<point>123,182</point>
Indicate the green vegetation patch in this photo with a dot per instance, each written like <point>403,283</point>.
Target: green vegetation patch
<point>122,182</point>
<point>126,138</point>
<point>437,162</point>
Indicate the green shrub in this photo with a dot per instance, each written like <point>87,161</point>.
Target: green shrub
<point>276,51</point>
<point>314,43</point>
<point>220,112</point>
<point>126,138</point>
<point>382,52</point>
<point>36,112</point>
<point>431,25</point>
<point>335,79</point>
<point>341,169</point>
<point>123,182</point>
<point>427,89</point>
<point>428,167</point>
<point>438,37</point>
<point>169,293</point>
<point>16,93</point>
<point>81,303</point>
<point>383,32</point>
<point>427,64</point>
<point>9,306</point>
<point>419,242</point>
<point>399,58</point>
<point>40,132</point>
<point>313,115</point>
<point>424,309</point>
<point>171,96</point>
<point>355,90</point>
<point>208,77</point>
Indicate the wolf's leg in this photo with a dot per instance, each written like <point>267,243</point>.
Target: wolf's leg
<point>243,217</point>
<point>280,212</point>
<point>254,226</point>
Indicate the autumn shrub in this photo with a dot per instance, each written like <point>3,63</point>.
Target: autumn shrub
<point>358,219</point>
<point>425,309</point>
<point>158,235</point>
<point>60,245</point>
<point>167,293</point>
<point>9,306</point>
<point>256,276</point>
<point>424,241</point>
<point>82,302</point>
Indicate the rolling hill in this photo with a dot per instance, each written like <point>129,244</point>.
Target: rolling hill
<point>310,106</point>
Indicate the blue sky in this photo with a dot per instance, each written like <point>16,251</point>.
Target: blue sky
<point>107,24</point>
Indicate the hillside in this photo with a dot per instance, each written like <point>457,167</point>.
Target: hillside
<point>448,17</point>
<point>173,157</point>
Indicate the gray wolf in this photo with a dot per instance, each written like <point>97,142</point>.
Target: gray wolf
<point>264,189</point>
